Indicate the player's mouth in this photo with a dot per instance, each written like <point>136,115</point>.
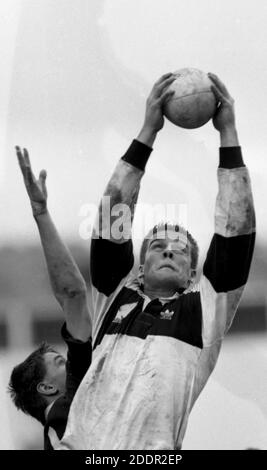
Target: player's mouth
<point>167,265</point>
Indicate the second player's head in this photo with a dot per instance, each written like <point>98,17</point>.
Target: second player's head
<point>38,380</point>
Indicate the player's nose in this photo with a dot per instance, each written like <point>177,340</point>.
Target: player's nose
<point>168,253</point>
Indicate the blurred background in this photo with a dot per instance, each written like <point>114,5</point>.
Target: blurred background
<point>74,80</point>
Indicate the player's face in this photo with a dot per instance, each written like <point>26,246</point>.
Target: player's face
<point>168,262</point>
<point>55,365</point>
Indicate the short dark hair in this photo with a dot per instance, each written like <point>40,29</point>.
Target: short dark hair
<point>24,380</point>
<point>162,226</point>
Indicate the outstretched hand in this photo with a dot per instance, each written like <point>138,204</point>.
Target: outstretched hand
<point>224,117</point>
<point>159,95</point>
<point>36,189</point>
<point>154,119</point>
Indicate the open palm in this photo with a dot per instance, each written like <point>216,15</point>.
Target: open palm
<point>36,189</point>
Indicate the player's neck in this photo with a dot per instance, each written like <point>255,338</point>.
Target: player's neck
<point>52,398</point>
<point>159,292</point>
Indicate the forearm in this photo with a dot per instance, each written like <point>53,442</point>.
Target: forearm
<point>123,187</point>
<point>118,204</point>
<point>65,277</point>
<point>227,265</point>
<point>234,206</point>
<point>229,137</point>
<point>229,256</point>
<point>111,256</point>
<point>147,136</point>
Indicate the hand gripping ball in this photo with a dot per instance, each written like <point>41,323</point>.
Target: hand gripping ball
<point>193,104</point>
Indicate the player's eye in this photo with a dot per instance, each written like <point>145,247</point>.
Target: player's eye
<point>157,246</point>
<point>180,249</point>
<point>60,360</point>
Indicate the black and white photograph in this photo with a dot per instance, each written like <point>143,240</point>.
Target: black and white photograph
<point>133,226</point>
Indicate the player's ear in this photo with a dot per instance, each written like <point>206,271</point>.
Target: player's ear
<point>193,273</point>
<point>46,389</point>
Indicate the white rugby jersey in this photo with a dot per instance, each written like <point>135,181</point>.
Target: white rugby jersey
<point>151,359</point>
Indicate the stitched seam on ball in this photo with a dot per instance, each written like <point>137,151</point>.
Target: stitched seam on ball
<point>189,94</point>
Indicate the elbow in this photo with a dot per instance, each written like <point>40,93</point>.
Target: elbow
<point>71,291</point>
<point>75,291</point>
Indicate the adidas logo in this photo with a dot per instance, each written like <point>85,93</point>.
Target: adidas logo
<point>166,315</point>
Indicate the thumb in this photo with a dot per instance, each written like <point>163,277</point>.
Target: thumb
<point>42,178</point>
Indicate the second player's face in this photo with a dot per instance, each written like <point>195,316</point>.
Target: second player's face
<point>168,262</point>
<point>55,365</point>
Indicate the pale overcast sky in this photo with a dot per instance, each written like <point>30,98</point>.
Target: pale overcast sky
<point>74,79</point>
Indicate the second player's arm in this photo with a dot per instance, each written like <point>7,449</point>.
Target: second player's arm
<point>66,280</point>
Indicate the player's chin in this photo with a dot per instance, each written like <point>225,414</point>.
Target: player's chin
<point>173,278</point>
<point>168,276</point>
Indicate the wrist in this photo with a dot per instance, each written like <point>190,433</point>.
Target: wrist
<point>229,136</point>
<point>39,210</point>
<point>147,135</point>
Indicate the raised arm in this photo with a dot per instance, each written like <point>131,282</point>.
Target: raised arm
<point>66,280</point>
<point>229,257</point>
<point>226,269</point>
<point>117,206</point>
<point>111,257</point>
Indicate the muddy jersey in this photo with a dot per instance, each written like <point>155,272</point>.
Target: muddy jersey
<point>151,358</point>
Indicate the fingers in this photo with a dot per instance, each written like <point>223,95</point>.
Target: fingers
<point>29,177</point>
<point>20,159</point>
<point>25,164</point>
<point>166,96</point>
<point>219,85</point>
<point>26,157</point>
<point>163,83</point>
<point>23,158</point>
<point>218,95</point>
<point>164,77</point>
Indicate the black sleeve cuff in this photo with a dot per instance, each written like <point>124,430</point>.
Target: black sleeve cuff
<point>137,154</point>
<point>110,263</point>
<point>231,157</point>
